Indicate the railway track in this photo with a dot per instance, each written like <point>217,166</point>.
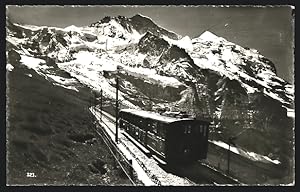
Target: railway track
<point>197,173</point>
<point>120,160</point>
<point>202,174</point>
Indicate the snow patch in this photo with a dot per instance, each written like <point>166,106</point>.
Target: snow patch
<point>257,157</point>
<point>184,43</point>
<point>62,80</point>
<point>30,27</point>
<point>290,89</point>
<point>88,69</point>
<point>289,112</point>
<point>150,74</point>
<point>226,146</point>
<point>33,63</point>
<point>66,87</point>
<point>9,67</point>
<point>16,41</point>
<point>250,155</point>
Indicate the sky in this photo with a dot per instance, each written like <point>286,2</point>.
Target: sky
<point>270,30</point>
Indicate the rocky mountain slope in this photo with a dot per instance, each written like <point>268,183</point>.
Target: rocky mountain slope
<point>208,77</point>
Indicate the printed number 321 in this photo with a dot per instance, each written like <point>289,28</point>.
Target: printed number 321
<point>30,174</point>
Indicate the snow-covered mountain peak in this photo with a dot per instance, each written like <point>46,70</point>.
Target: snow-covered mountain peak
<point>144,24</point>
<point>138,23</point>
<point>139,15</point>
<point>72,28</point>
<point>208,36</point>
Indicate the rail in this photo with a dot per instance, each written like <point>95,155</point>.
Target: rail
<point>126,164</point>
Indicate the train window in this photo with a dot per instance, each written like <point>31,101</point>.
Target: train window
<point>161,130</point>
<point>187,129</point>
<point>204,130</point>
<point>148,125</point>
<point>201,128</point>
<point>154,127</point>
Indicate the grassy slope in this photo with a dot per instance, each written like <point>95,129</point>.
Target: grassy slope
<point>49,133</point>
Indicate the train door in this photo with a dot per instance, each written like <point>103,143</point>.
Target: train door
<point>203,138</point>
<point>181,142</point>
<point>189,142</point>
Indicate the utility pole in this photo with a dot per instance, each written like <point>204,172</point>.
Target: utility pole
<point>228,158</point>
<point>106,44</point>
<point>117,107</point>
<point>101,105</point>
<point>92,101</point>
<point>230,142</point>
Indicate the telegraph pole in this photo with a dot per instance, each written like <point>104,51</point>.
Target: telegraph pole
<point>92,101</point>
<point>106,44</point>
<point>228,158</point>
<point>117,107</point>
<point>230,142</point>
<point>101,105</point>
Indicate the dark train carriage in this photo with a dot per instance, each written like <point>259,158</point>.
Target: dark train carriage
<point>174,139</point>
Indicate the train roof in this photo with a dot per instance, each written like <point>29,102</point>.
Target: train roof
<point>153,115</point>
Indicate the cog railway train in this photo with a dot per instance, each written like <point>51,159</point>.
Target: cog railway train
<point>174,139</point>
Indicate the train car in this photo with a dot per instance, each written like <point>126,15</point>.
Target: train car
<point>172,139</point>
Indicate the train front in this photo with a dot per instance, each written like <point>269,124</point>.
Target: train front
<point>187,141</point>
